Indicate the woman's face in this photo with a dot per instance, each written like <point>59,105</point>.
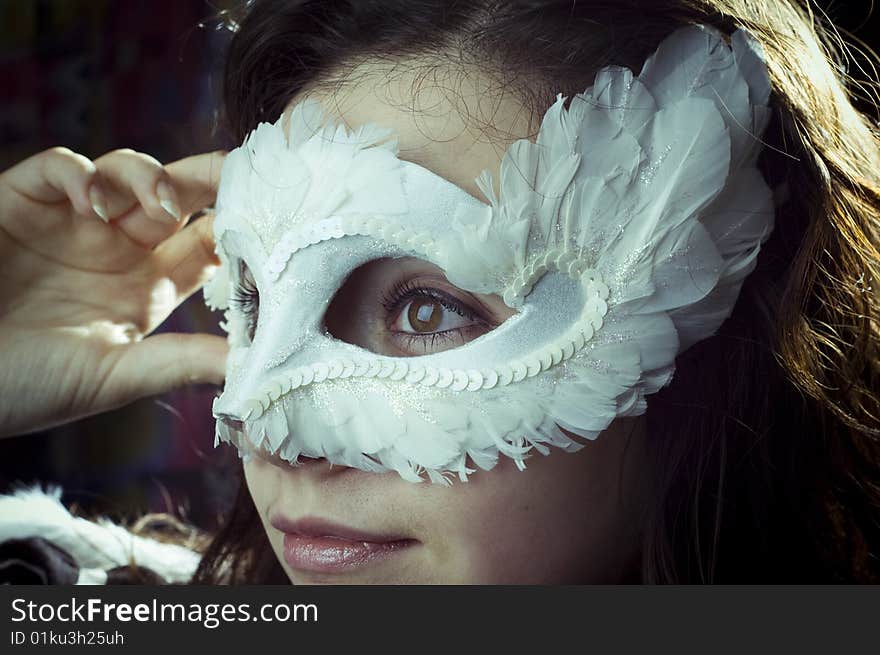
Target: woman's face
<point>566,518</point>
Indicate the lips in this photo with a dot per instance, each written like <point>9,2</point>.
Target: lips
<point>316,545</point>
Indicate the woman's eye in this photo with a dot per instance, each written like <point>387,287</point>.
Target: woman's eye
<point>406,307</point>
<point>246,297</point>
<point>422,320</point>
<point>426,315</point>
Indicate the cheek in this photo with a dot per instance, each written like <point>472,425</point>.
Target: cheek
<point>263,482</point>
<point>563,520</point>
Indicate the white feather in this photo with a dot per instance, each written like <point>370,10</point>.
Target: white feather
<point>96,545</point>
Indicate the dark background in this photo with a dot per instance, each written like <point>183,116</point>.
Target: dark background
<point>95,75</point>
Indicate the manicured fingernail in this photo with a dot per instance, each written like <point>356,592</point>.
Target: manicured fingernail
<point>168,200</point>
<point>96,197</point>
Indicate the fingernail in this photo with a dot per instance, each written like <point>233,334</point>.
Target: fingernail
<point>99,205</point>
<point>168,200</point>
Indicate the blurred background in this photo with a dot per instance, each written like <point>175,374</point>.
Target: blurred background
<point>95,75</point>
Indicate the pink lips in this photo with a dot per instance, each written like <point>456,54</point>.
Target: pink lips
<point>316,545</point>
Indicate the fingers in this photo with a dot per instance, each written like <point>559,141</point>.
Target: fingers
<point>132,191</point>
<point>149,200</point>
<point>196,179</point>
<point>136,177</point>
<point>52,176</point>
<point>169,361</point>
<point>188,257</point>
<point>140,198</point>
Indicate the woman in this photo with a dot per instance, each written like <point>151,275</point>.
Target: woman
<point>758,461</point>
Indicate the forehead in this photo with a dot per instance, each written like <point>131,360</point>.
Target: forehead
<point>452,121</point>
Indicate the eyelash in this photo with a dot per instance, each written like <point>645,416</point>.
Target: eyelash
<point>246,297</point>
<point>394,300</point>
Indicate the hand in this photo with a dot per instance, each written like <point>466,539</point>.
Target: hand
<point>92,259</point>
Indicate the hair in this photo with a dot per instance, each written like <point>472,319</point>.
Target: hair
<point>764,448</point>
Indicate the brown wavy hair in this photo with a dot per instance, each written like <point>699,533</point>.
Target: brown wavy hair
<point>765,446</point>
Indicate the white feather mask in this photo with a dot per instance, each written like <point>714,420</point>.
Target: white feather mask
<point>622,236</point>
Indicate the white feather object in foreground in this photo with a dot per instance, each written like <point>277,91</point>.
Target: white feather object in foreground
<point>622,236</point>
<point>95,546</point>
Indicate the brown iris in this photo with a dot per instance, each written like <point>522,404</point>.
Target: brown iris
<point>425,315</point>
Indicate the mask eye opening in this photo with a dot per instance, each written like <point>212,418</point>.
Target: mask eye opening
<point>389,306</point>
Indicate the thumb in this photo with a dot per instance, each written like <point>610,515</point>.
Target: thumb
<point>168,361</point>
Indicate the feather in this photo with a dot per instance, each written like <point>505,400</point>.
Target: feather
<point>623,98</point>
<point>100,545</point>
